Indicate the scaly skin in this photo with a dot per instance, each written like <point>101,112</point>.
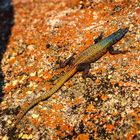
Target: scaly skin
<point>91,54</point>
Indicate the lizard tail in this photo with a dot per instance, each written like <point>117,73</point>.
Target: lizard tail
<point>58,85</point>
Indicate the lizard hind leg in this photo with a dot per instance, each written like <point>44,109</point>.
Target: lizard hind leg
<point>113,52</point>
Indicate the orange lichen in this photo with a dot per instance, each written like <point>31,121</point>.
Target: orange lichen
<point>25,105</point>
<point>9,88</point>
<point>52,59</point>
<point>48,86</point>
<point>12,61</point>
<point>35,122</point>
<point>90,108</point>
<point>69,83</point>
<point>109,127</point>
<point>47,74</point>
<point>115,113</point>
<point>121,83</point>
<point>97,81</point>
<point>133,114</point>
<point>103,70</point>
<point>83,137</point>
<point>60,133</point>
<point>133,131</point>
<point>57,106</point>
<point>34,78</point>
<point>138,11</point>
<point>104,97</point>
<point>77,101</point>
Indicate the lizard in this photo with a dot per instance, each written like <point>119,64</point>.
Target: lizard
<point>81,63</point>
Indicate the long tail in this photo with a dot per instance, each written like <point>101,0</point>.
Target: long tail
<point>58,85</point>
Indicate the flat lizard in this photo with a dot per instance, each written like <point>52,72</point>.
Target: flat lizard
<point>81,63</point>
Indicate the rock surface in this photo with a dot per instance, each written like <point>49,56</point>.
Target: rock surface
<point>36,35</point>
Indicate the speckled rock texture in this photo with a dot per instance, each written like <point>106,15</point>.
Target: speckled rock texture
<point>34,36</point>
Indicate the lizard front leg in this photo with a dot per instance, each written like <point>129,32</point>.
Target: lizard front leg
<point>99,38</point>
